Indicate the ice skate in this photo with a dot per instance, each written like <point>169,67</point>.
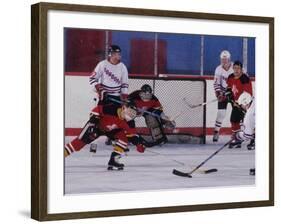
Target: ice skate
<point>235,144</point>
<point>113,163</point>
<point>216,136</point>
<point>251,145</point>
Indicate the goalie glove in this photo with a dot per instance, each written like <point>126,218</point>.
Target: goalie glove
<point>171,124</point>
<point>140,148</point>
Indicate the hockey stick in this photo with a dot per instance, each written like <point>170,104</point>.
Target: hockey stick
<point>138,110</point>
<point>198,105</point>
<point>184,174</point>
<point>181,163</point>
<point>145,111</point>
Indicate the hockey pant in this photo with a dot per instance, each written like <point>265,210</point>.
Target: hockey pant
<point>236,118</point>
<point>248,127</point>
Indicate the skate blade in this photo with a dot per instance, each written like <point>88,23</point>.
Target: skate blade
<point>115,168</point>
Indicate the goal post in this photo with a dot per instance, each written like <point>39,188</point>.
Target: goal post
<point>173,92</point>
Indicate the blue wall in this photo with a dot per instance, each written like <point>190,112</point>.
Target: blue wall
<point>183,53</point>
<point>213,45</point>
<point>183,50</point>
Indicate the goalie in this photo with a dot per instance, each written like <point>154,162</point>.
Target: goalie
<point>151,109</point>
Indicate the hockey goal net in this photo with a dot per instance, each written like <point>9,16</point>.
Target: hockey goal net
<point>175,93</point>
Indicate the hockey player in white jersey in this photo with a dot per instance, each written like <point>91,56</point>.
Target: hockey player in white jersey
<point>221,74</point>
<point>109,80</point>
<point>110,77</point>
<point>247,103</point>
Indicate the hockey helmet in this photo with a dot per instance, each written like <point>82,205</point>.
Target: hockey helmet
<point>225,54</point>
<point>146,92</point>
<point>113,49</point>
<point>129,112</point>
<point>244,99</point>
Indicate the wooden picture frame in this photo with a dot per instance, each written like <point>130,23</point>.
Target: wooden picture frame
<point>39,109</point>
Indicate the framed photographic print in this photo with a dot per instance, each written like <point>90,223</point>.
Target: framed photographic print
<point>138,111</point>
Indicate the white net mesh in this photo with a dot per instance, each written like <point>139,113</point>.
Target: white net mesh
<point>173,93</point>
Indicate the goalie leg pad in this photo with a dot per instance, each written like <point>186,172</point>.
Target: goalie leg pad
<point>156,129</point>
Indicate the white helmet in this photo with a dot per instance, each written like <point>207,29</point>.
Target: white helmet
<point>244,99</point>
<point>225,54</point>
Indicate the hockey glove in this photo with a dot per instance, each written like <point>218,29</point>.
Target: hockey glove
<point>124,97</point>
<point>221,96</point>
<point>229,95</point>
<point>101,92</point>
<point>140,148</point>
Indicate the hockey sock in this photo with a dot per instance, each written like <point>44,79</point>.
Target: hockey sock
<point>219,119</point>
<point>74,145</point>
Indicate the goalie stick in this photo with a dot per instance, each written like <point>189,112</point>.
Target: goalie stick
<point>144,111</point>
<point>138,110</point>
<point>188,174</point>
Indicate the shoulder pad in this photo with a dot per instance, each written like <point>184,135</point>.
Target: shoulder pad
<point>244,78</point>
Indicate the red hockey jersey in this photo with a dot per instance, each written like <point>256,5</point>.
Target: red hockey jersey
<point>239,85</point>
<point>144,105</point>
<point>111,120</point>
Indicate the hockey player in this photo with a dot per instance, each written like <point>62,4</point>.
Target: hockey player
<point>237,83</point>
<point>151,109</point>
<point>111,122</point>
<point>247,103</point>
<point>110,79</point>
<point>220,84</point>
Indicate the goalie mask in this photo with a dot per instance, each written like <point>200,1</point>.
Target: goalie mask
<point>128,113</point>
<point>146,92</point>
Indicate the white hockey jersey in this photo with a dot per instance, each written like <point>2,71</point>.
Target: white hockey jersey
<point>113,78</point>
<point>249,124</point>
<point>220,79</point>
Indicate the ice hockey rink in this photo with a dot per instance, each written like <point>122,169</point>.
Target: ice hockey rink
<point>86,172</point>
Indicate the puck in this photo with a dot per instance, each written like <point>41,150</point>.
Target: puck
<point>211,171</point>
<point>252,172</point>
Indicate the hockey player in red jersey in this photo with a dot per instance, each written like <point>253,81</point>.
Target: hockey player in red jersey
<point>111,122</point>
<point>237,83</point>
<point>151,109</point>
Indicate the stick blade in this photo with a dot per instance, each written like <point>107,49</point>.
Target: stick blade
<point>211,171</point>
<point>181,174</point>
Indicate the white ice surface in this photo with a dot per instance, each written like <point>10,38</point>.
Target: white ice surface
<point>86,172</point>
